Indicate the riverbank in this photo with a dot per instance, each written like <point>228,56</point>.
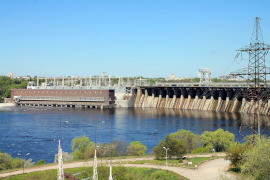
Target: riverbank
<point>7,104</point>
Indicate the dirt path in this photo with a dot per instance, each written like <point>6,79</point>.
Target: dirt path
<point>213,169</point>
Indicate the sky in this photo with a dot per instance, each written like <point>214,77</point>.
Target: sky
<point>150,38</point>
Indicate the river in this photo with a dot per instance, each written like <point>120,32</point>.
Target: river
<point>35,130</point>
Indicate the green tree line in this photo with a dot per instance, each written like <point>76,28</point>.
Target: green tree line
<point>6,84</point>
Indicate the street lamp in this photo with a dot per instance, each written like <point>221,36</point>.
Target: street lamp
<point>23,159</point>
<point>166,157</point>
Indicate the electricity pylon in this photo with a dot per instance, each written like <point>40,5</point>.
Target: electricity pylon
<point>95,173</point>
<point>60,171</point>
<point>256,72</point>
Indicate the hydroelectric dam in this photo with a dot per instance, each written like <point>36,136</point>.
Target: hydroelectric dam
<point>219,97</point>
<point>212,97</point>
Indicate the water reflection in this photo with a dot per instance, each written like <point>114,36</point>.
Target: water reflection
<point>36,130</point>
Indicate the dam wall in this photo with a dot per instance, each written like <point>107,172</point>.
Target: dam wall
<point>219,99</point>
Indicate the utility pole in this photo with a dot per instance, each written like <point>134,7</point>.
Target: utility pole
<point>256,73</point>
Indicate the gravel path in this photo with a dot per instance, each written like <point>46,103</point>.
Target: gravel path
<point>210,170</point>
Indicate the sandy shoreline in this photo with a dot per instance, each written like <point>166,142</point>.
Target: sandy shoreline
<point>7,104</point>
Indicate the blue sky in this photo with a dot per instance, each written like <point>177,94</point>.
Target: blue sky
<point>152,38</point>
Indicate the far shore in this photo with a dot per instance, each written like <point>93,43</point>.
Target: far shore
<point>6,104</point>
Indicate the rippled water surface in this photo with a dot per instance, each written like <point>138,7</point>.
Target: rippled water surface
<point>36,130</point>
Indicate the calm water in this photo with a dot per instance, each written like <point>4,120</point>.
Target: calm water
<point>36,130</point>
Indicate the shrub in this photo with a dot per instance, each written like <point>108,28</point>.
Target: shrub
<point>5,161</point>
<point>118,148</point>
<point>256,160</point>
<point>136,149</point>
<point>40,162</point>
<point>200,150</point>
<point>235,153</point>
<point>66,157</point>
<point>17,163</point>
<point>29,163</point>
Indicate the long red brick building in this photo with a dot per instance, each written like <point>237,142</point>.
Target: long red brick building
<point>88,98</point>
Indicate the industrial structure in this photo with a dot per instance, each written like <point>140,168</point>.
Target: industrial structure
<point>104,91</point>
<point>256,93</point>
<point>85,98</point>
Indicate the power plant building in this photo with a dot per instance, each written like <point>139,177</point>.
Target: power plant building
<point>88,98</point>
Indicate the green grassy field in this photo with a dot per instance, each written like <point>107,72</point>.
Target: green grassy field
<point>119,173</point>
<point>171,162</point>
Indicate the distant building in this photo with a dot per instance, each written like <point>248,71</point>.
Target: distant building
<point>10,75</point>
<point>231,78</point>
<point>173,77</point>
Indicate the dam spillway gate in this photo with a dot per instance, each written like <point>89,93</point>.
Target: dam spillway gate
<point>220,99</point>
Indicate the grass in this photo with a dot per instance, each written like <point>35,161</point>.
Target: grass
<point>119,173</point>
<point>171,162</point>
<point>198,160</point>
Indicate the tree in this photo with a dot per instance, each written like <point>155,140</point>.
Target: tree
<point>81,146</point>
<point>190,138</point>
<point>256,161</point>
<point>220,140</point>
<point>177,148</point>
<point>136,149</point>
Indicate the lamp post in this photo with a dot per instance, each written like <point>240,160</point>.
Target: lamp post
<point>166,149</point>
<point>23,159</point>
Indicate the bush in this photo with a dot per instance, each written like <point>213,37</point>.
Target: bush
<point>235,153</point>
<point>219,140</point>
<point>118,148</point>
<point>17,163</point>
<point>29,163</point>
<point>256,160</point>
<point>65,156</point>
<point>136,149</point>
<point>190,138</point>
<point>200,150</point>
<point>5,161</point>
<point>40,162</point>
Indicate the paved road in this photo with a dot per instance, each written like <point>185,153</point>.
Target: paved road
<point>211,170</point>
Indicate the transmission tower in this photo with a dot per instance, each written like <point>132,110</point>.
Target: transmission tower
<point>95,172</point>
<point>60,172</point>
<point>256,72</point>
